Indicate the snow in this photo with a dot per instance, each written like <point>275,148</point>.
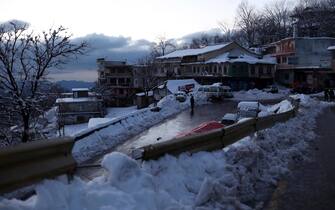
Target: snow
<point>94,122</point>
<point>120,111</point>
<point>255,94</point>
<point>150,93</point>
<point>79,89</point>
<point>241,176</point>
<point>77,100</point>
<point>243,58</point>
<point>121,128</point>
<point>331,48</point>
<point>193,52</point>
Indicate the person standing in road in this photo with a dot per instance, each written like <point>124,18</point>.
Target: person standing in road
<point>192,103</point>
<point>331,94</point>
<point>326,94</point>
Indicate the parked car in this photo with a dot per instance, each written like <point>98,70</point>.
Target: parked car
<point>271,89</point>
<point>227,92</point>
<point>215,91</point>
<point>248,109</point>
<point>180,96</point>
<point>229,119</point>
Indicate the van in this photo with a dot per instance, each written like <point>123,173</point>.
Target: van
<point>218,92</point>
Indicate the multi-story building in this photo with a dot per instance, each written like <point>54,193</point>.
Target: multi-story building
<point>120,81</point>
<point>79,106</point>
<point>228,63</point>
<point>303,62</point>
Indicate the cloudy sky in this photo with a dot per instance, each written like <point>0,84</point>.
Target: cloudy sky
<point>121,29</point>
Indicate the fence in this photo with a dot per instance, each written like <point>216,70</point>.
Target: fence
<point>213,140</point>
<point>30,162</point>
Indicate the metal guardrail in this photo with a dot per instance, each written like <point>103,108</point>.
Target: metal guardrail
<point>213,140</point>
<point>27,163</point>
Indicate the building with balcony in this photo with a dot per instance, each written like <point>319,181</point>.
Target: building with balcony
<point>303,62</point>
<point>228,63</point>
<point>79,106</point>
<point>120,82</point>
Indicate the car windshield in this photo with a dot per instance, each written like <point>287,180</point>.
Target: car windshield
<point>213,89</point>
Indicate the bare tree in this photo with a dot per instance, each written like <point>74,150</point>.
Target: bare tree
<point>315,18</point>
<point>276,22</point>
<point>25,60</point>
<point>148,72</point>
<point>247,21</point>
<point>163,46</point>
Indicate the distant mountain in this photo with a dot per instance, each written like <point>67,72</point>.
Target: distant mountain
<point>69,84</point>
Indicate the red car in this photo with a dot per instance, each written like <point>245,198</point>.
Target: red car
<point>202,128</point>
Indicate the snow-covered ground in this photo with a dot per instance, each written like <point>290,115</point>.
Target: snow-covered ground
<point>119,111</point>
<point>126,126</point>
<point>112,113</point>
<point>240,176</point>
<point>255,94</point>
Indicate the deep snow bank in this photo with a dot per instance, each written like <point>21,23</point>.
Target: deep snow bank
<point>126,126</point>
<point>255,94</point>
<point>238,177</point>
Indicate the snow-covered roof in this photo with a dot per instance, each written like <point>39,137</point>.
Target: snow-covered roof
<point>243,58</point>
<point>77,100</point>
<point>331,48</point>
<point>79,89</point>
<point>173,85</point>
<point>190,52</point>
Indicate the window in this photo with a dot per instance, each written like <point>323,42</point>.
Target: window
<point>292,60</point>
<point>268,70</point>
<point>121,81</point>
<point>121,91</point>
<point>225,70</point>
<point>284,59</point>
<point>120,71</point>
<point>287,76</point>
<point>252,70</point>
<point>260,70</point>
<point>112,81</point>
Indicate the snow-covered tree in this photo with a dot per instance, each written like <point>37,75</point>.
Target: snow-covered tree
<point>26,58</point>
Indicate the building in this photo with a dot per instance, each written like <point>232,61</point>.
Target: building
<point>120,82</point>
<point>332,50</point>
<point>228,63</point>
<point>79,106</point>
<point>303,62</point>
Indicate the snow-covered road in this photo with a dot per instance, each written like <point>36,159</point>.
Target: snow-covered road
<point>166,130</point>
<point>241,176</point>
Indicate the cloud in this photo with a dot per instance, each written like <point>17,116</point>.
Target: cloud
<point>111,48</point>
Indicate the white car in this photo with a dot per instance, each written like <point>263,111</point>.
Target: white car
<point>215,91</point>
<point>248,108</point>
